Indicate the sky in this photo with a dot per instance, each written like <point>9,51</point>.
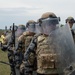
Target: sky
<point>20,11</point>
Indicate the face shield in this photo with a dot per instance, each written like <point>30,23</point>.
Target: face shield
<point>20,30</point>
<point>31,27</point>
<point>49,25</point>
<point>38,28</point>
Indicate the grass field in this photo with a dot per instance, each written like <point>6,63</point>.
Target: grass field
<point>4,69</point>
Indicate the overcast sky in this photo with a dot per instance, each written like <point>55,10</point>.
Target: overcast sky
<point>20,11</point>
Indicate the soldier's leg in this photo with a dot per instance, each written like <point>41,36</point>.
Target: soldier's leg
<point>28,71</point>
<point>10,58</point>
<point>18,62</point>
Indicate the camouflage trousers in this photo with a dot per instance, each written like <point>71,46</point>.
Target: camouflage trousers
<point>27,67</point>
<point>11,61</point>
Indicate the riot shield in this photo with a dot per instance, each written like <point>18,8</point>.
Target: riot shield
<point>62,46</point>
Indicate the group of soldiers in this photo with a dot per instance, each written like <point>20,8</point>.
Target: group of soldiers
<point>42,47</point>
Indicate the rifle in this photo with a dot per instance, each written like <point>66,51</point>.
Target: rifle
<point>13,34</point>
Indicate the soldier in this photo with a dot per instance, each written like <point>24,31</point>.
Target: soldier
<point>70,21</point>
<point>10,54</point>
<point>48,23</point>
<point>18,56</point>
<point>12,42</point>
<point>26,37</point>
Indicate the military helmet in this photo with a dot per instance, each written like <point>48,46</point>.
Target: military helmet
<point>70,19</point>
<point>48,14</point>
<point>29,22</point>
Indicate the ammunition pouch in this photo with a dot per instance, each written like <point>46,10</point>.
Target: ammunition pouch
<point>47,61</point>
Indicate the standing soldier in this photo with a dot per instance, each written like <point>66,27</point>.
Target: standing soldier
<point>12,41</point>
<point>70,21</point>
<point>48,23</point>
<point>18,57</point>
<point>26,38</point>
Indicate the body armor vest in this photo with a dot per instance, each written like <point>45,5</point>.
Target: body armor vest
<point>45,59</point>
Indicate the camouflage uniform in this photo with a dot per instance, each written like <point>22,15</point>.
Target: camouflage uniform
<point>26,38</point>
<point>42,52</point>
<point>70,21</point>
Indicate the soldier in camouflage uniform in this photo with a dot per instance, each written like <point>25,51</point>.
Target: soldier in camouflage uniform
<point>18,31</point>
<point>70,21</point>
<point>18,56</point>
<point>26,38</point>
<point>39,46</point>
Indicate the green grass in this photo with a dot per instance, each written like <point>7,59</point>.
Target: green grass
<point>4,69</point>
